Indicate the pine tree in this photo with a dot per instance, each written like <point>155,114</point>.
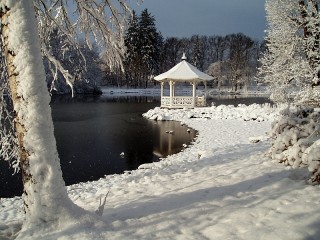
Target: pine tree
<point>143,49</point>
<point>150,43</point>
<point>131,42</point>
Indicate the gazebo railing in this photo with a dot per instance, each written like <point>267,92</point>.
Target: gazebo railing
<point>182,101</point>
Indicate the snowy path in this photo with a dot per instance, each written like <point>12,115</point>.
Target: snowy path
<point>222,187</point>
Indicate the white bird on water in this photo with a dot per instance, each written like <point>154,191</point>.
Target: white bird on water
<point>122,154</point>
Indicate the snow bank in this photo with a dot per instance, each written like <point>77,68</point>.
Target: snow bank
<point>221,187</point>
<point>254,112</point>
<point>297,141</point>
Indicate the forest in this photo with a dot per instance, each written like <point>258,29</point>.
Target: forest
<point>231,59</point>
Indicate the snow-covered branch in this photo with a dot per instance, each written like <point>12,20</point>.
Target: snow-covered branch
<point>99,22</point>
<point>8,138</point>
<point>70,79</point>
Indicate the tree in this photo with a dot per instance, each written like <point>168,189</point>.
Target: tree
<point>218,71</point>
<point>150,46</point>
<point>309,20</point>
<point>172,52</point>
<point>45,197</point>
<point>75,59</point>
<point>290,65</point>
<point>217,47</point>
<point>239,58</point>
<point>143,49</point>
<point>199,46</point>
<point>8,140</point>
<point>131,42</point>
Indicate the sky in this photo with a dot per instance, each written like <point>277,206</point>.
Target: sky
<point>184,18</point>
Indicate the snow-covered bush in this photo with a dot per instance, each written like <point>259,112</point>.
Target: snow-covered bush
<point>297,142</point>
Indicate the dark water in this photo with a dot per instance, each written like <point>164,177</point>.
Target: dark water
<point>92,135</point>
<point>93,132</point>
<point>237,99</point>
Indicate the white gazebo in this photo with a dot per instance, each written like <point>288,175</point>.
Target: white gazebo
<point>183,72</point>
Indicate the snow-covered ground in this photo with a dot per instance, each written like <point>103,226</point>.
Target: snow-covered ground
<point>222,187</point>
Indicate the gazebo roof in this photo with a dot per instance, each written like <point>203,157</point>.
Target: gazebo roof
<point>184,72</point>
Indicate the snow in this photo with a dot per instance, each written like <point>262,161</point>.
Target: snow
<point>184,71</point>
<point>252,112</point>
<point>221,187</point>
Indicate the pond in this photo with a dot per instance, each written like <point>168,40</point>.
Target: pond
<point>102,135</point>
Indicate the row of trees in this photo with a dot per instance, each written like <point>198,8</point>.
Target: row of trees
<point>231,59</point>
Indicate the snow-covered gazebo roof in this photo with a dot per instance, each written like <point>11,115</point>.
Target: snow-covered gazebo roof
<point>184,72</point>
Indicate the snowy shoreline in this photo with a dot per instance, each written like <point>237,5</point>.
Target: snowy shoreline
<point>183,91</point>
<point>221,187</point>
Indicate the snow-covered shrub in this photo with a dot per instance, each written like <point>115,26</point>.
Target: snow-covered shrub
<point>297,142</point>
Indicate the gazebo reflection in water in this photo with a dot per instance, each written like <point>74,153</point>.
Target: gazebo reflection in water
<point>183,72</point>
<point>171,143</point>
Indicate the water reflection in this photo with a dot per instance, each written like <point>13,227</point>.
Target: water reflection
<point>93,132</point>
<point>237,99</point>
<point>170,137</point>
<point>90,144</point>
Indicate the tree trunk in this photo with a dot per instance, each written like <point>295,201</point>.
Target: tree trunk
<point>45,196</point>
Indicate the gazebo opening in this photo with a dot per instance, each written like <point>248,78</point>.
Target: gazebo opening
<point>183,72</point>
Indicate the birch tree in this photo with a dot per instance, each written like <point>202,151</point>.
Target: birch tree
<point>46,201</point>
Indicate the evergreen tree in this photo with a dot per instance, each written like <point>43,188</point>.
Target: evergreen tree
<point>172,49</point>
<point>143,49</point>
<point>150,43</point>
<point>132,43</point>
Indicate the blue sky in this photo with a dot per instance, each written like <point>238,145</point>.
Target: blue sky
<point>184,18</point>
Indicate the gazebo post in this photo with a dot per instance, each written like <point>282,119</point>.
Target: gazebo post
<point>194,93</point>
<point>162,84</point>
<point>174,89</point>
<point>205,94</point>
<point>171,94</point>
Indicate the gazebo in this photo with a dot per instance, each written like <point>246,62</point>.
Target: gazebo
<point>183,72</point>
